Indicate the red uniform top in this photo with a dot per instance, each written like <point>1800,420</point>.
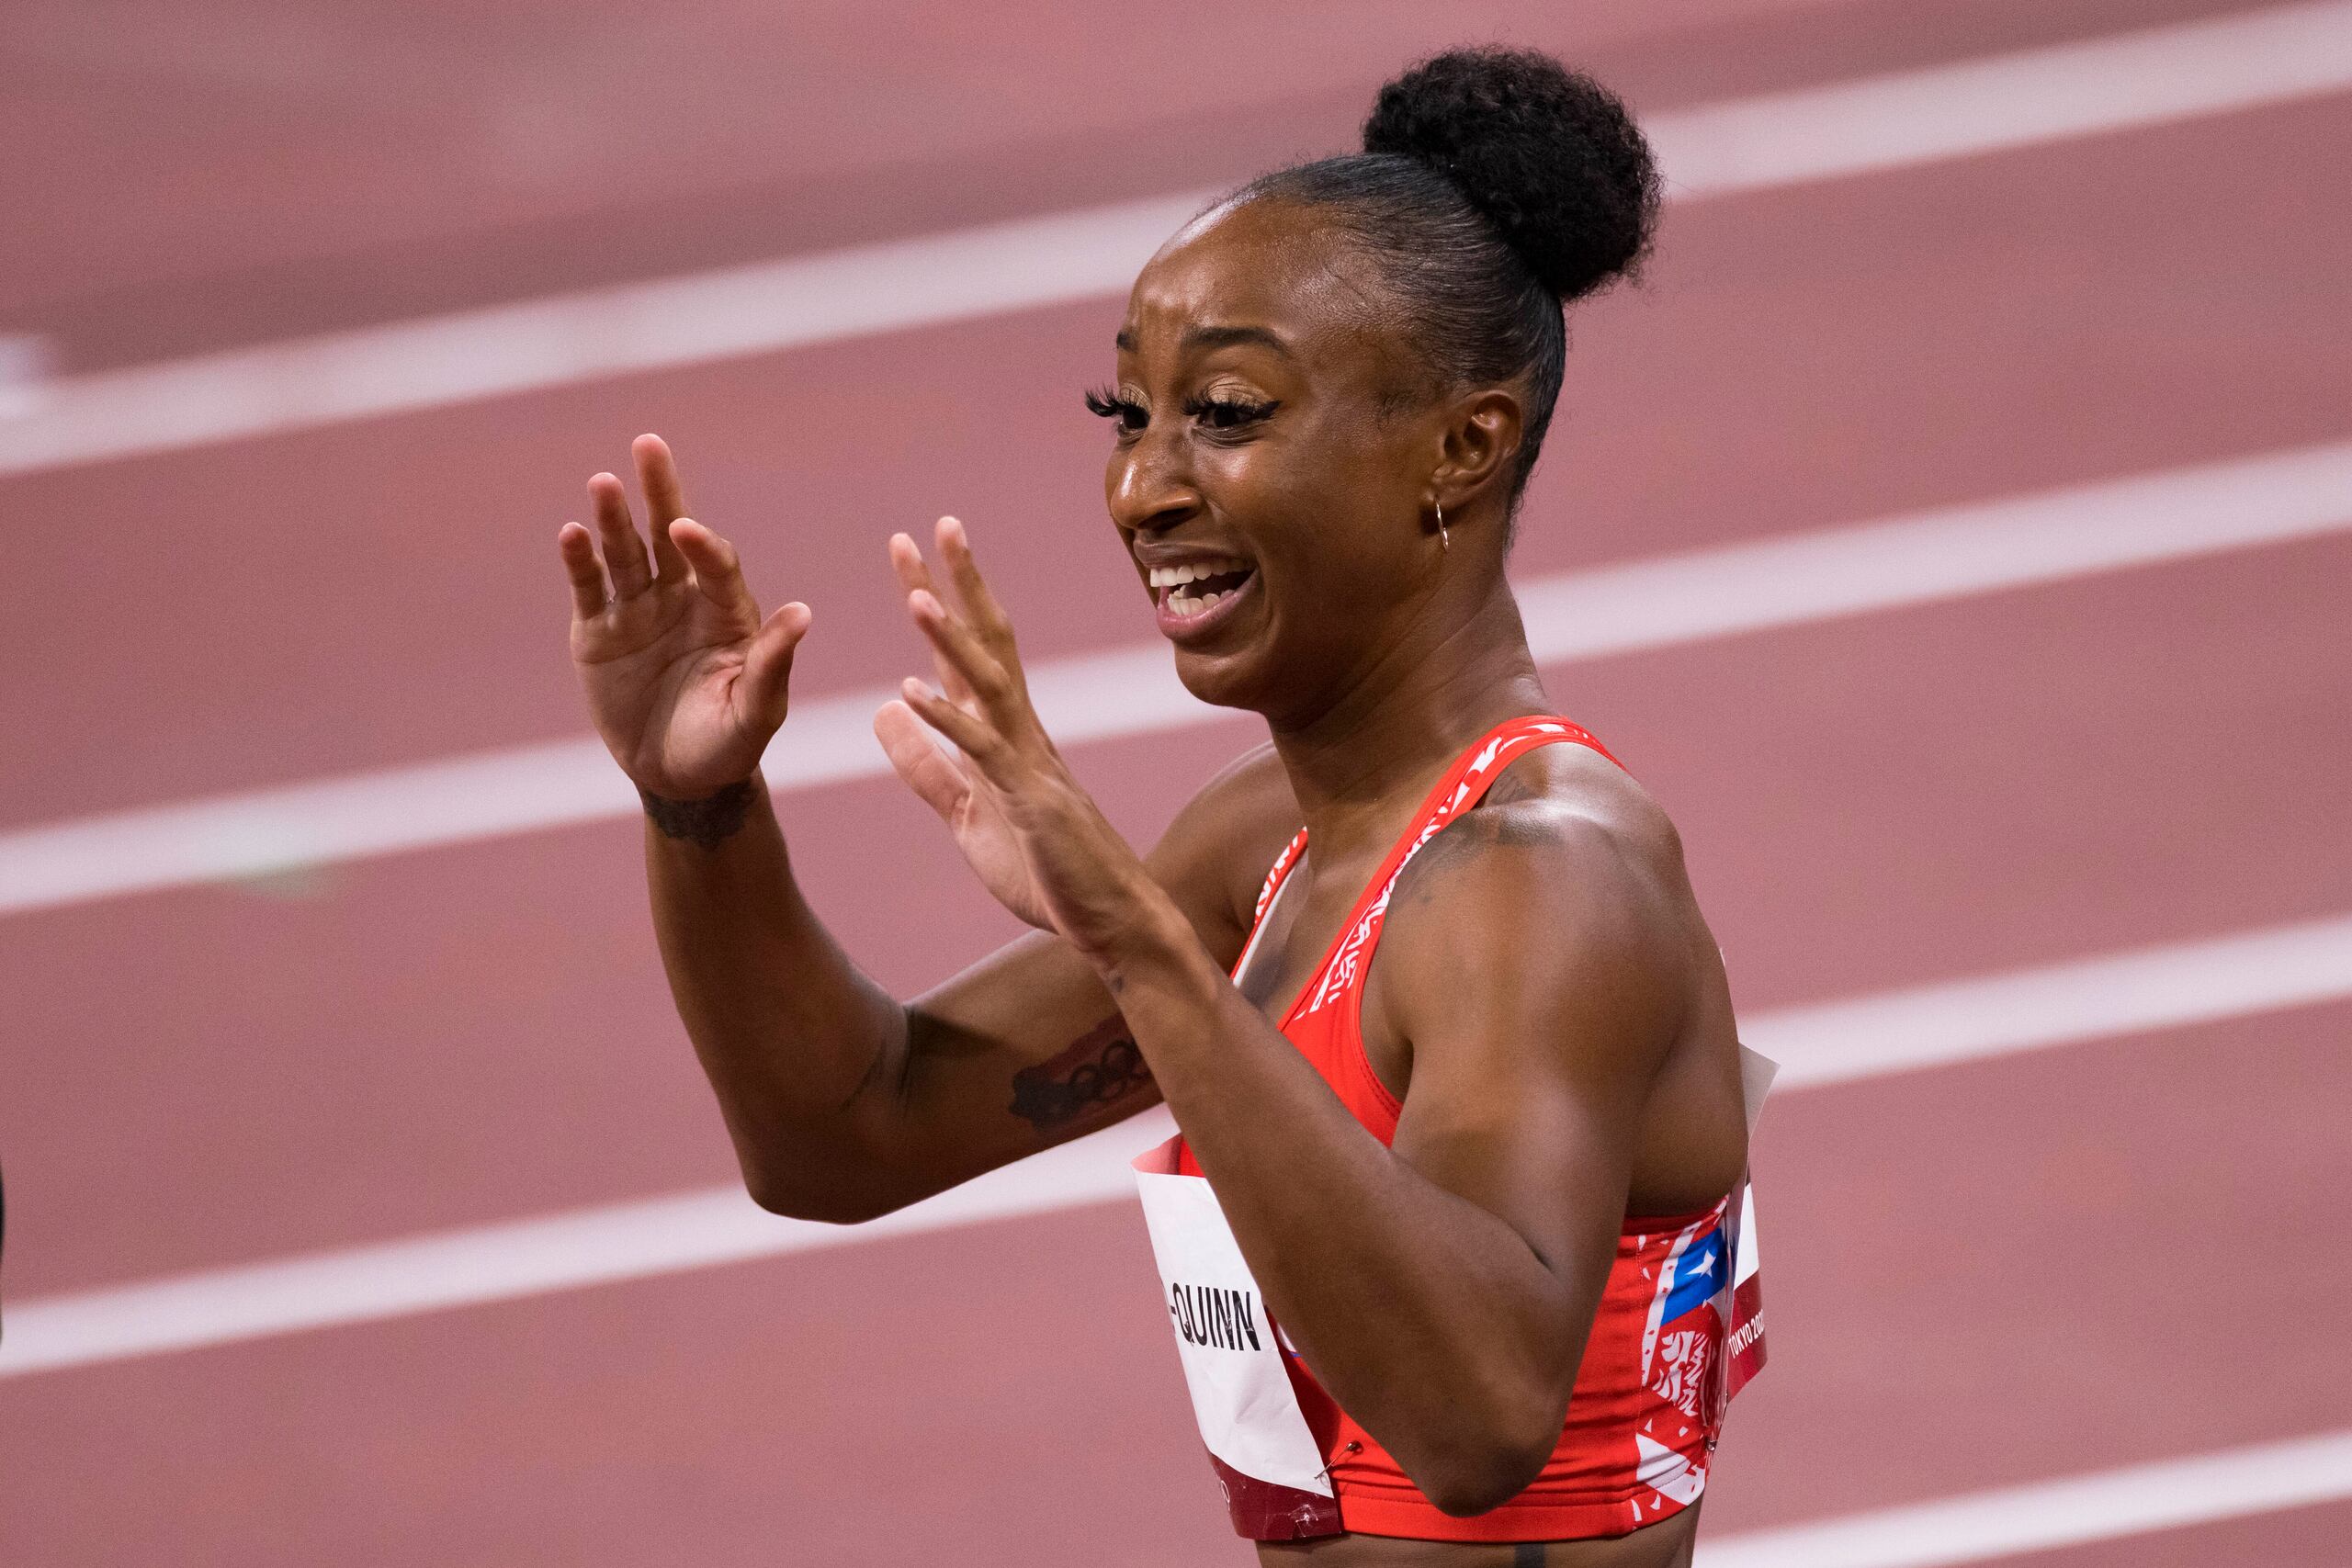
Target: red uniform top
<point>1649,1393</point>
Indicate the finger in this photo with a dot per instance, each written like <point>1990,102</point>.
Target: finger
<point>581,565</point>
<point>956,645</point>
<point>767,668</point>
<point>718,572</point>
<point>972,594</point>
<point>616,532</point>
<point>986,615</point>
<point>665,502</point>
<point>914,574</point>
<point>905,558</point>
<point>937,778</point>
<point>972,735</point>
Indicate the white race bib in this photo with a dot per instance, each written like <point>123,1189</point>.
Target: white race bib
<point>1275,1480</point>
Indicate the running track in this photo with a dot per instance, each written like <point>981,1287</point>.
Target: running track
<point>1999,1273</point>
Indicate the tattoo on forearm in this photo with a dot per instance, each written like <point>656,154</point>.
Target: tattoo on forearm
<point>1101,1069</point>
<point>1528,1555</point>
<point>709,823</point>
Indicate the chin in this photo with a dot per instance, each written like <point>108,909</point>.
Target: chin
<point>1238,679</point>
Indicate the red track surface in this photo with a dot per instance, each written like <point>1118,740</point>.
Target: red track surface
<point>1981,1275</point>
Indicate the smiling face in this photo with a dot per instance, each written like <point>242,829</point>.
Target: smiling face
<point>1275,458</point>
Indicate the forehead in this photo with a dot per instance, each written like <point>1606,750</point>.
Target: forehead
<point>1280,265</point>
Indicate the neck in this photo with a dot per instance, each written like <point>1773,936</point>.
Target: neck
<point>1361,763</point>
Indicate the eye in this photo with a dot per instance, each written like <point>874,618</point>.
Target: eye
<point>1228,413</point>
<point>1124,411</point>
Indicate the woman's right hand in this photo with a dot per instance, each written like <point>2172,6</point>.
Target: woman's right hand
<point>685,681</point>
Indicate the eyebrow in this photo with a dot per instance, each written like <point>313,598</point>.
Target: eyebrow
<point>1232,337</point>
<point>1214,337</point>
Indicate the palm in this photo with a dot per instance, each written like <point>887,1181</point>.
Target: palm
<point>661,671</point>
<point>685,681</point>
<point>973,811</point>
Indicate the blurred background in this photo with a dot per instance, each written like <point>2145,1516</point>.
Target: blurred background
<point>1954,529</point>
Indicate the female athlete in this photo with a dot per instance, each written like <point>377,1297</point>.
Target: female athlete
<point>1445,1235</point>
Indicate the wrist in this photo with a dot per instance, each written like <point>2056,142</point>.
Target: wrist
<point>1155,945</point>
<point>705,821</point>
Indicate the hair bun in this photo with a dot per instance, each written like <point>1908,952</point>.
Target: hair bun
<point>1549,156</point>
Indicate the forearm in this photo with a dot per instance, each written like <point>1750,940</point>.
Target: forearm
<point>1429,1319</point>
<point>793,1037</point>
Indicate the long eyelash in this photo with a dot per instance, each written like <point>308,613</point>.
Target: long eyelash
<point>1104,402</point>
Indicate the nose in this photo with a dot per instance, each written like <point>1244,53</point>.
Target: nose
<point>1150,484</point>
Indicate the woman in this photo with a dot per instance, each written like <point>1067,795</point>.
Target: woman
<point>1331,388</point>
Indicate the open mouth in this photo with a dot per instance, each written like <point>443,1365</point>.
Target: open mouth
<point>1190,592</point>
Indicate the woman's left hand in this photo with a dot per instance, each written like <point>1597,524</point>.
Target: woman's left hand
<point>1036,839</point>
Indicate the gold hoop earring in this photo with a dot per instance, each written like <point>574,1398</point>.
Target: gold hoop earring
<point>1444,540</point>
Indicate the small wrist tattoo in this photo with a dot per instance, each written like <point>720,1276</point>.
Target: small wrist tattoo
<point>710,822</point>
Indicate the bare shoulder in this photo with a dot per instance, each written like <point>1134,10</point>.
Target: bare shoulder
<point>1216,852</point>
<point>1564,888</point>
<point>1565,816</point>
<point>1552,942</point>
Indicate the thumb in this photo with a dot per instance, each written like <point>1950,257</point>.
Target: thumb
<point>928,770</point>
<point>767,667</point>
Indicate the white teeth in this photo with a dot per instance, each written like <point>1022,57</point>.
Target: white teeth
<point>1177,576</point>
<point>1187,605</point>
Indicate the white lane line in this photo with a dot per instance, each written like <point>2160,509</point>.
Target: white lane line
<point>1890,121</point>
<point>2013,100</point>
<point>2179,983</point>
<point>2123,993</point>
<point>2134,1500</point>
<point>1788,580</point>
<point>23,365</point>
<point>523,1257</point>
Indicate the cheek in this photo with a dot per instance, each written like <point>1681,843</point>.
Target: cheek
<point>1346,518</point>
<point>1318,476</point>
<point>1329,585</point>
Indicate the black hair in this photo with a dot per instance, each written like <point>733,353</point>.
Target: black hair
<point>1495,186</point>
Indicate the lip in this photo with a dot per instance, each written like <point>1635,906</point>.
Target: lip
<point>1192,628</point>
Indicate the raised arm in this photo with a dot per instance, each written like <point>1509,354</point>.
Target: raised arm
<point>843,1103</point>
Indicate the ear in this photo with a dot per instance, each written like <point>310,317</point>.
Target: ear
<point>1478,450</point>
